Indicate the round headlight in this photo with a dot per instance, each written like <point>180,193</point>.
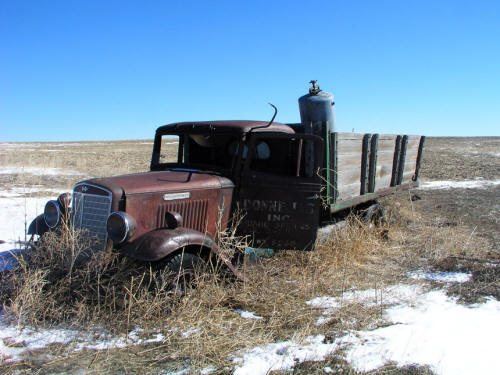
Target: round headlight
<point>120,226</point>
<point>52,214</point>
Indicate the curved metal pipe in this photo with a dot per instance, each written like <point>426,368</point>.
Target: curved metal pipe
<point>270,122</point>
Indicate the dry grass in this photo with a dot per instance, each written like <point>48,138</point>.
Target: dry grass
<point>110,292</point>
<point>51,288</point>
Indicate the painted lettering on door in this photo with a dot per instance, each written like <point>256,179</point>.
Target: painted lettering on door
<point>277,216</point>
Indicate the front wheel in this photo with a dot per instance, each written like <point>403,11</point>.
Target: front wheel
<point>183,268</point>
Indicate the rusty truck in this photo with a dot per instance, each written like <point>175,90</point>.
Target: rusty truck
<point>283,180</point>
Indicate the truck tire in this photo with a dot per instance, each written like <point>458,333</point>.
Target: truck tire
<point>183,267</point>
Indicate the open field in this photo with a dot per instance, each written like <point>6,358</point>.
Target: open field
<point>340,309</point>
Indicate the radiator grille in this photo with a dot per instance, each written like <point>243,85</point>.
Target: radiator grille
<point>90,212</point>
<point>193,213</point>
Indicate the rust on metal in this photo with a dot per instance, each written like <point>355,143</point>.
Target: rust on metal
<point>220,127</point>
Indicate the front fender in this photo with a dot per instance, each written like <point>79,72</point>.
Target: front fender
<point>158,244</point>
<point>38,226</point>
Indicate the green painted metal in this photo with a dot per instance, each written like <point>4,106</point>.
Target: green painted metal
<point>328,174</point>
<point>334,166</point>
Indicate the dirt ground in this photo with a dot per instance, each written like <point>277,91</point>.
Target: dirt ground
<point>463,159</point>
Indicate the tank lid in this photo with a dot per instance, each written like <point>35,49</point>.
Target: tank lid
<point>314,90</point>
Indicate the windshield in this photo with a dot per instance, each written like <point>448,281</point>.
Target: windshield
<point>196,152</point>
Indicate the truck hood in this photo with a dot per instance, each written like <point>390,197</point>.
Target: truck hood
<point>162,181</point>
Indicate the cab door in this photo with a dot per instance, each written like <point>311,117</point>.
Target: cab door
<point>279,192</point>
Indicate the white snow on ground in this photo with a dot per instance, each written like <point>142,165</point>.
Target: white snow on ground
<point>369,297</point>
<point>188,332</point>
<point>16,214</point>
<point>17,211</point>
<point>466,184</point>
<point>184,371</point>
<point>434,330</point>
<point>15,342</point>
<point>428,329</point>
<point>15,217</point>
<point>445,277</point>
<point>282,355</point>
<point>247,314</point>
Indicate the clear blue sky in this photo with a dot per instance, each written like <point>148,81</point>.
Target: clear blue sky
<point>90,70</point>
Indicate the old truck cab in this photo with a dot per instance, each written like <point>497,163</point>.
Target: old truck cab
<point>272,171</point>
<point>202,175</point>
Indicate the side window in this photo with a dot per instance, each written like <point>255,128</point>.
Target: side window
<point>169,149</point>
<point>210,150</point>
<point>282,156</point>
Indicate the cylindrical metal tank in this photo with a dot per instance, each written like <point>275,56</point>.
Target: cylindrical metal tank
<point>315,108</point>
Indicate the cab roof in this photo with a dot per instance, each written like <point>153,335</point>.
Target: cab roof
<point>225,126</point>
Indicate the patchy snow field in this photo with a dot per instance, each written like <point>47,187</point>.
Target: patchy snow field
<point>423,328</point>
<point>16,214</point>
<point>19,206</point>
<point>467,184</point>
<point>420,328</point>
<point>15,342</point>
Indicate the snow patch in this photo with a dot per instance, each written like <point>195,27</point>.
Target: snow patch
<point>282,355</point>
<point>452,339</point>
<point>16,216</point>
<point>466,184</point>
<point>15,341</point>
<point>207,370</point>
<point>247,314</point>
<point>368,297</point>
<point>444,277</point>
<point>179,372</point>
<point>189,332</point>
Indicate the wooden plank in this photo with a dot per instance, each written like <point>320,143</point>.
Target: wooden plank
<point>393,164</point>
<point>385,159</point>
<point>349,151</point>
<point>348,191</point>
<point>352,136</point>
<point>348,177</point>
<point>342,205</point>
<point>350,147</point>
